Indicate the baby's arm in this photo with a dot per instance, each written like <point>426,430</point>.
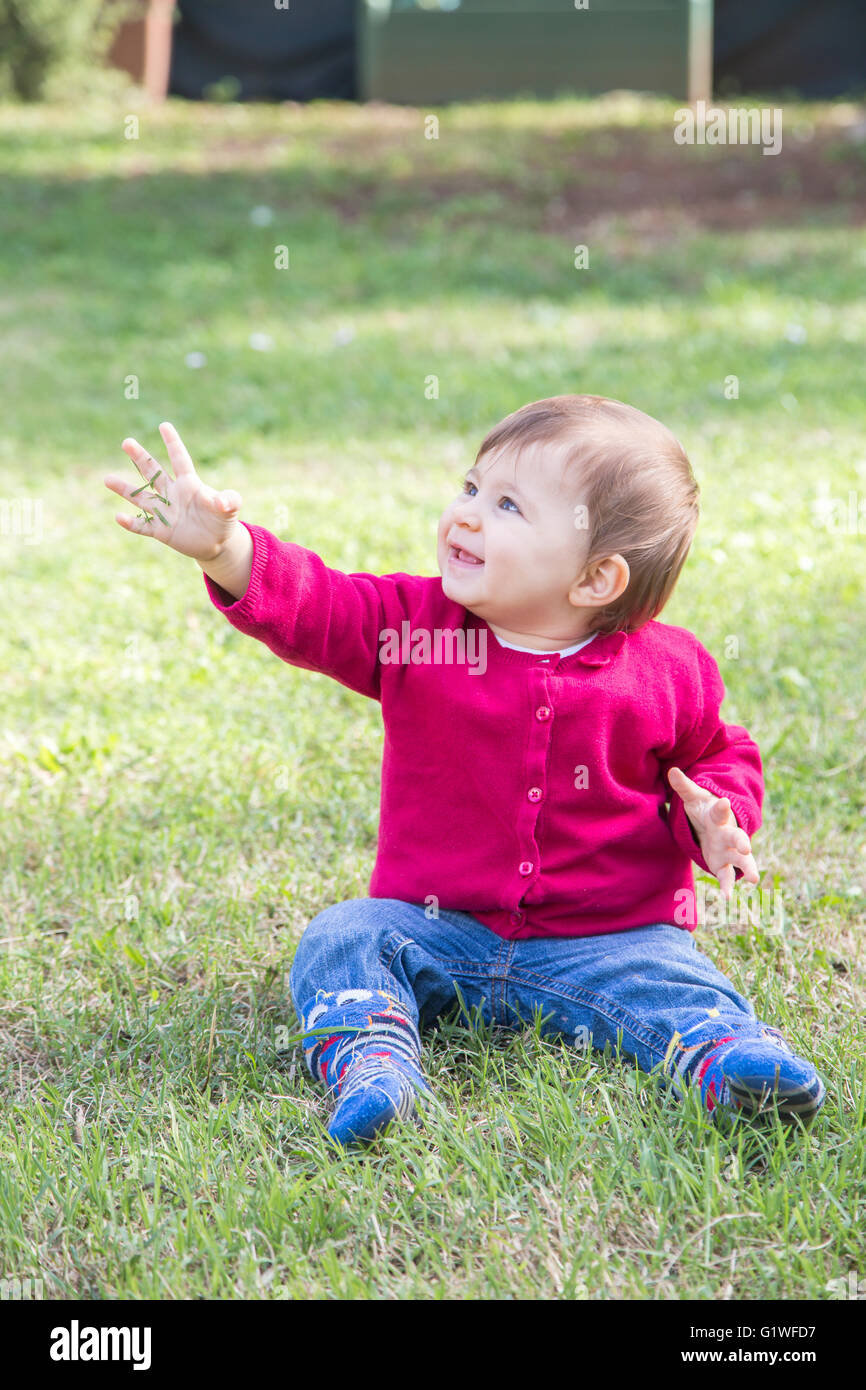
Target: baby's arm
<point>714,778</point>
<point>277,591</point>
<point>230,570</point>
<point>313,616</point>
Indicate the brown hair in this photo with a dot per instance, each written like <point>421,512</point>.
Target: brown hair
<point>635,483</point>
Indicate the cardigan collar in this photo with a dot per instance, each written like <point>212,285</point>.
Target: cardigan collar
<point>599,652</point>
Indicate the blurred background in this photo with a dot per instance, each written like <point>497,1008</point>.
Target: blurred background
<point>438,50</point>
<point>441,50</point>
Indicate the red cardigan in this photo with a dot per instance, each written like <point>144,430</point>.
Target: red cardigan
<point>531,794</point>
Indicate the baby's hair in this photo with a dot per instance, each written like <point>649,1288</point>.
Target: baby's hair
<point>635,482</point>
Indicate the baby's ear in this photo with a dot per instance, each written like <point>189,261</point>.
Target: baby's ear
<point>581,591</point>
<point>606,579</point>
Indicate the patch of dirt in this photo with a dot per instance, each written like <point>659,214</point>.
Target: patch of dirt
<point>646,178</point>
<point>717,187</point>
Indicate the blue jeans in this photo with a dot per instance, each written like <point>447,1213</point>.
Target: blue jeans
<point>648,989</point>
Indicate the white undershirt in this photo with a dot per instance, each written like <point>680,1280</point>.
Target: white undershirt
<point>566,651</point>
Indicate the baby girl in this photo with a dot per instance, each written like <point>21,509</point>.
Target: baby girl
<point>554,765</point>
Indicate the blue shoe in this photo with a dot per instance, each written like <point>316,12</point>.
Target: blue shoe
<point>374,1092</point>
<point>761,1077</point>
<point>758,1075</point>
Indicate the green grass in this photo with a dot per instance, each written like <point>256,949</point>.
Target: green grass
<point>177,804</point>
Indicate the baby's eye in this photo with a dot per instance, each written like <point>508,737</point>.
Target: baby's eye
<point>466,484</point>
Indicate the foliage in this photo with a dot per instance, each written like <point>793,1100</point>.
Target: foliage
<point>47,46</point>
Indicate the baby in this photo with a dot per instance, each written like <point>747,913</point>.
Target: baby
<point>554,764</point>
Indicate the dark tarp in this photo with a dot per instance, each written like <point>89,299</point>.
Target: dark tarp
<point>816,48</point>
<point>297,54</point>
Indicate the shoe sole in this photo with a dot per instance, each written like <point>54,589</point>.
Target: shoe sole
<point>788,1100</point>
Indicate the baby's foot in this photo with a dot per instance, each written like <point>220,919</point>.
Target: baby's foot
<point>373,1092</point>
<point>756,1075</point>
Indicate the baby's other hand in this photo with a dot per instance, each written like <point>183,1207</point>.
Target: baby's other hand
<point>724,844</point>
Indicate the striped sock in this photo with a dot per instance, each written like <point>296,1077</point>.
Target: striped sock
<point>374,1069</point>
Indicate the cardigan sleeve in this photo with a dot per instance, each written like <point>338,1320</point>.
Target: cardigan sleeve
<point>313,616</point>
<point>722,758</point>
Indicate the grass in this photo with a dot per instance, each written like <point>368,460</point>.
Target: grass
<point>176,804</point>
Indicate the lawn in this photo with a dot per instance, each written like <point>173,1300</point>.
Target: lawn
<point>176,804</point>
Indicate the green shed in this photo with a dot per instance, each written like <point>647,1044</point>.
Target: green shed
<point>421,52</point>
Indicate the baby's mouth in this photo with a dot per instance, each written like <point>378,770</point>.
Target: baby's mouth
<point>457,556</point>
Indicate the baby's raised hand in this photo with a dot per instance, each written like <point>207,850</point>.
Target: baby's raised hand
<point>724,844</point>
<point>185,513</point>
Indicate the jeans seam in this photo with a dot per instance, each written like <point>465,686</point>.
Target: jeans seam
<point>498,972</point>
<point>509,949</point>
<point>614,1013</point>
<point>466,966</point>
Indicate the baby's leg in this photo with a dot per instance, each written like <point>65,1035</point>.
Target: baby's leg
<point>366,971</point>
<point>363,1026</point>
<point>672,1010</point>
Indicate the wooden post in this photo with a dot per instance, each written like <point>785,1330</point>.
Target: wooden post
<point>700,51</point>
<point>157,48</point>
<point>143,48</point>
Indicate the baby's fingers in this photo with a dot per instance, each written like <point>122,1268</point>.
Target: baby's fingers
<point>724,871</point>
<point>177,451</point>
<point>145,500</point>
<point>685,787</point>
<point>727,840</point>
<point>726,880</point>
<point>747,863</point>
<point>116,484</point>
<point>145,463</point>
<point>228,502</point>
<point>139,524</point>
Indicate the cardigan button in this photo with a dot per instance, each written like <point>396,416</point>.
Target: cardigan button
<point>535,793</point>
<point>543,712</point>
<point>517,919</point>
<point>525,868</point>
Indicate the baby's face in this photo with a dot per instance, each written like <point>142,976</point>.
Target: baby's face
<point>518,522</point>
